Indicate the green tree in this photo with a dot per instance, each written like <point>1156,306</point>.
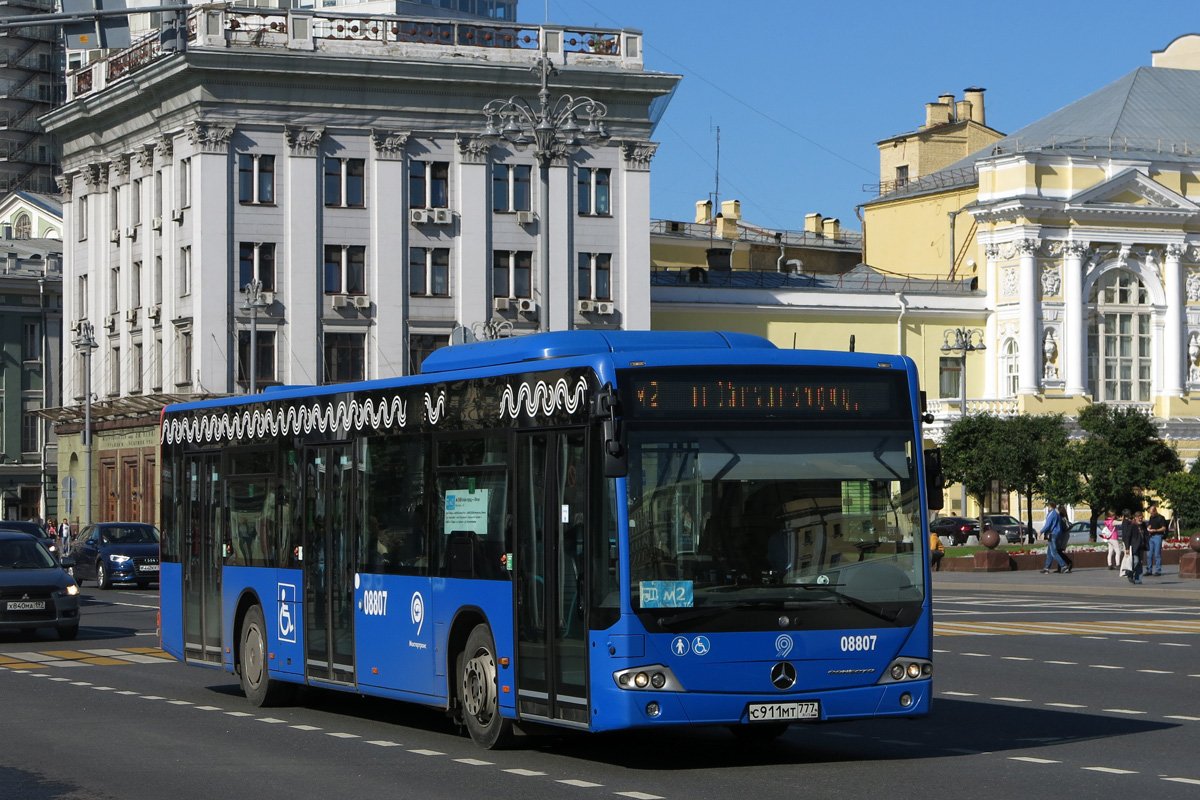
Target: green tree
<point>1034,459</point>
<point>1121,456</point>
<point>1180,492</point>
<point>970,452</point>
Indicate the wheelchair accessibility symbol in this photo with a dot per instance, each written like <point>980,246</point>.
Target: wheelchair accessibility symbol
<point>287,611</point>
<point>700,645</point>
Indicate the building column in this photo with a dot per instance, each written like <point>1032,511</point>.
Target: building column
<point>560,268</point>
<point>299,336</point>
<point>1074,317</point>
<point>991,356</point>
<point>1031,347</point>
<point>472,264</point>
<point>634,268</point>
<point>388,352</point>
<point>1173,348</point>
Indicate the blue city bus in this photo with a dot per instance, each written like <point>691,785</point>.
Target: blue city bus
<point>589,530</point>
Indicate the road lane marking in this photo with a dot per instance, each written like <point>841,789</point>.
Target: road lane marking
<point>580,784</point>
<point>339,735</point>
<point>384,743</point>
<point>1157,671</point>
<point>961,694</point>
<point>524,773</point>
<point>475,762</point>
<point>1112,770</point>
<point>1065,663</point>
<point>1183,717</point>
<point>270,720</point>
<point>306,728</point>
<point>1104,666</point>
<point>1012,699</point>
<point>430,753</point>
<point>207,708</point>
<point>1032,760</point>
<point>1122,711</point>
<point>638,795</point>
<point>1066,705</point>
<point>1192,781</point>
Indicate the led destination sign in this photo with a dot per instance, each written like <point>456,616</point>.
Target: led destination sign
<point>800,393</point>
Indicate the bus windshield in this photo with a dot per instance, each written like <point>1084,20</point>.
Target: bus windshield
<point>776,518</point>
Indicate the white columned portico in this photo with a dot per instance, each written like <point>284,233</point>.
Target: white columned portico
<point>1075,317</point>
<point>1027,283</point>
<point>1174,329</point>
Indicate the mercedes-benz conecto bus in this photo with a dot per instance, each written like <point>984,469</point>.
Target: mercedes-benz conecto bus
<point>591,530</point>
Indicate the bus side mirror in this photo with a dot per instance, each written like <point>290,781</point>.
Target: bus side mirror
<point>605,407</point>
<point>935,480</point>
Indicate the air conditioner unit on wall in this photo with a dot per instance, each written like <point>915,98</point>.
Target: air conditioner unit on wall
<point>442,216</point>
<point>340,301</point>
<point>131,315</point>
<point>177,215</point>
<point>156,223</point>
<point>526,306</point>
<point>585,306</point>
<point>115,236</point>
<point>604,308</point>
<point>155,312</point>
<point>500,303</point>
<point>267,297</point>
<point>131,232</point>
<point>418,216</point>
<point>110,322</point>
<point>525,217</point>
<point>362,301</point>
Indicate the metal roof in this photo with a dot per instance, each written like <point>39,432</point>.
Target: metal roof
<point>861,279</point>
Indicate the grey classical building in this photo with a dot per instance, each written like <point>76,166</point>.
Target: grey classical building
<point>342,167</point>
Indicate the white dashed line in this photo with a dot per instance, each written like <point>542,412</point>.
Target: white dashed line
<point>239,714</point>
<point>960,694</point>
<point>1064,663</point>
<point>580,784</point>
<point>270,720</point>
<point>1104,666</point>
<point>383,743</point>
<point>85,683</point>
<point>1032,760</point>
<point>338,735</point>
<point>1135,641</point>
<point>524,773</point>
<point>1065,705</point>
<point>1157,671</point>
<point>1174,644</point>
<point>180,702</point>
<point>475,762</point>
<point>978,655</point>
<point>1181,716</point>
<point>433,753</point>
<point>103,688</point>
<point>127,692</point>
<point>1192,781</point>
<point>1015,658</point>
<point>1012,699</point>
<point>152,697</point>
<point>1122,711</point>
<point>207,708</point>
<point>1111,770</point>
<point>638,795</point>
<point>306,728</point>
<point>57,680</point>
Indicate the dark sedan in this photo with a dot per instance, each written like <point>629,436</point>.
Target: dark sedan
<point>957,528</point>
<point>116,552</point>
<point>33,529</point>
<point>35,592</point>
<point>1009,527</point>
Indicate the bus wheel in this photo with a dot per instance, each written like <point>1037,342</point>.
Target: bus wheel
<point>260,689</point>
<point>759,732</point>
<point>478,691</point>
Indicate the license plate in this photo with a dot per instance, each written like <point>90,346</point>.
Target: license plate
<point>26,605</point>
<point>147,567</point>
<point>783,712</point>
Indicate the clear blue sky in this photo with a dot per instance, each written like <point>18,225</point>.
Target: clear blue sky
<point>802,90</point>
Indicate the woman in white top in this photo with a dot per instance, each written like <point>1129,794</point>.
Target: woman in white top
<point>1110,531</point>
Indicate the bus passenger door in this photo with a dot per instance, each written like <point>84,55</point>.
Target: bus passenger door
<point>328,540</point>
<point>202,556</point>
<point>551,514</point>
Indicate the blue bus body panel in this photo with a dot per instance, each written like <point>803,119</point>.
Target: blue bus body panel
<point>170,603</point>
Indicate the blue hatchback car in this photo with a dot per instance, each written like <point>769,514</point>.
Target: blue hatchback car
<point>116,552</point>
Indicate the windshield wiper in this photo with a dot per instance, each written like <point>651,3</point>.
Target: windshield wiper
<point>888,614</point>
<point>713,611</point>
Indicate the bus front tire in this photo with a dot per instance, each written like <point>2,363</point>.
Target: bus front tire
<point>478,692</point>
<point>259,687</point>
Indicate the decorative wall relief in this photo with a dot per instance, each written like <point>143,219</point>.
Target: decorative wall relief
<point>1050,355</point>
<point>1051,282</point>
<point>1008,282</point>
<point>1192,286</point>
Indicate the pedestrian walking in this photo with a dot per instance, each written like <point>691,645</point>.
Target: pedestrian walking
<point>1050,531</point>
<point>1110,531</point>
<point>936,551</point>
<point>1156,526</point>
<point>64,530</point>
<point>1064,537</point>
<point>1133,535</point>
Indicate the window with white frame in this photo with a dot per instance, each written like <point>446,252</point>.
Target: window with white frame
<point>429,271</point>
<point>256,261</point>
<point>511,187</point>
<point>31,341</point>
<point>949,378</point>
<point>23,227</point>
<point>345,269</point>
<point>185,182</point>
<point>114,210</point>
<point>256,179</point>
<point>81,297</point>
<point>345,182</point>
<point>595,276</point>
<point>428,184</point>
<point>595,191</point>
<point>81,219</point>
<point>114,290</point>
<point>135,202</point>
<point>264,356</point>
<point>114,371</point>
<point>1010,366</point>
<point>31,425</point>
<point>139,364</point>
<point>135,285</point>
<point>512,273</point>
<point>157,366</point>
<point>183,363</point>
<point>345,357</point>
<point>185,270</point>
<point>1119,339</point>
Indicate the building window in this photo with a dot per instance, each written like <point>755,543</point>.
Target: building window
<point>157,366</point>
<point>256,179</point>
<point>420,345</point>
<point>31,342</point>
<point>594,187</point>
<point>81,221</point>
<point>185,183</point>
<point>135,285</point>
<point>901,176</point>
<point>139,364</point>
<point>512,273</point>
<point>114,372</point>
<point>135,202</point>
<point>256,261</point>
<point>114,288</point>
<point>81,299</point>
<point>345,357</point>
<point>428,184</point>
<point>1119,340</point>
<point>158,184</point>
<point>950,378</point>
<point>345,182</point>
<point>1010,366</point>
<point>345,269</point>
<point>158,279</point>
<point>23,228</point>
<point>511,187</point>
<point>595,276</point>
<point>264,357</point>
<point>185,270</point>
<point>31,426</point>
<point>429,271</point>
<point>183,373</point>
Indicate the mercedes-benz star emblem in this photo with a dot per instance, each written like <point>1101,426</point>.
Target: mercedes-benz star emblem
<point>783,675</point>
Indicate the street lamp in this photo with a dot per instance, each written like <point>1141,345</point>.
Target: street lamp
<point>85,343</point>
<point>254,301</point>
<point>554,132</point>
<point>963,341</point>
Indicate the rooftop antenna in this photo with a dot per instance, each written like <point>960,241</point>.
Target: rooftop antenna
<point>717,189</point>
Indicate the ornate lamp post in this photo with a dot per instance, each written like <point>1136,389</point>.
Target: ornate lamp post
<point>85,343</point>
<point>254,301</point>
<point>963,341</point>
<point>554,132</point>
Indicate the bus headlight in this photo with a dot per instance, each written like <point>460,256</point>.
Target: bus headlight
<point>908,669</point>
<point>655,676</point>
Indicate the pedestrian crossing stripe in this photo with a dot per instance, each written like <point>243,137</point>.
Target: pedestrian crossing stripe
<point>1123,627</point>
<point>106,657</point>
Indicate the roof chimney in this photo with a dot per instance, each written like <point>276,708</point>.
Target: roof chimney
<point>938,114</point>
<point>812,223</point>
<point>703,212</point>
<point>832,228</point>
<point>974,96</point>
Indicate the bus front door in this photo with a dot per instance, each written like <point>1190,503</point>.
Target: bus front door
<point>328,556</point>
<point>551,510</point>
<point>203,555</point>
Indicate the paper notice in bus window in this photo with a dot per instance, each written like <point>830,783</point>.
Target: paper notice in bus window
<point>666,594</point>
<point>466,511</point>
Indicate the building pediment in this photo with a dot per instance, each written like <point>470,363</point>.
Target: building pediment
<point>1131,191</point>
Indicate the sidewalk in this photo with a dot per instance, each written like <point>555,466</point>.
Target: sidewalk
<point>1102,582</point>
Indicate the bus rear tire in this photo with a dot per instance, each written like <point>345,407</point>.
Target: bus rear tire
<point>479,692</point>
<point>259,687</point>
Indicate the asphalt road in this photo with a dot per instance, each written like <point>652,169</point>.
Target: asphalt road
<point>1080,689</point>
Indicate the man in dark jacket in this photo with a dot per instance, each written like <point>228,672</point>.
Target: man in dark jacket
<point>1133,534</point>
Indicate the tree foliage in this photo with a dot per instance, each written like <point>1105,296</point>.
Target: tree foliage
<point>1180,492</point>
<point>970,451</point>
<point>1121,456</point>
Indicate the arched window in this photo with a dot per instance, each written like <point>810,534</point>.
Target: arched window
<point>23,227</point>
<point>1009,368</point>
<point>1119,365</point>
